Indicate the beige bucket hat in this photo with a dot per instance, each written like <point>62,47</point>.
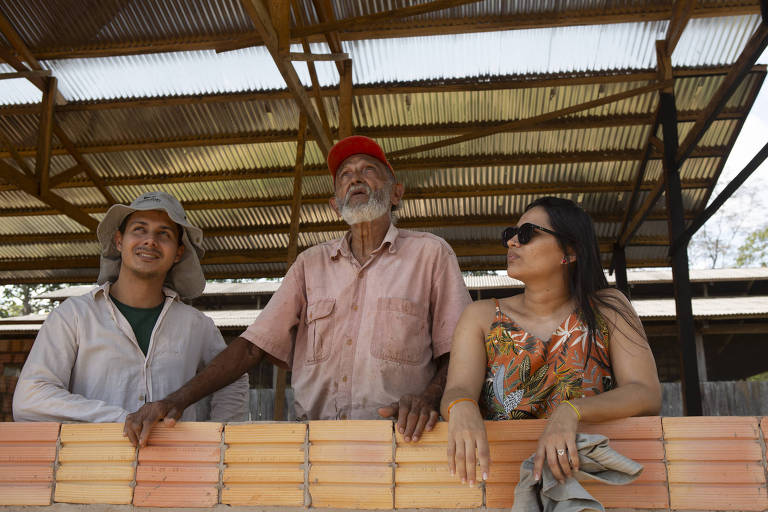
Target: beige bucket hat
<point>186,276</point>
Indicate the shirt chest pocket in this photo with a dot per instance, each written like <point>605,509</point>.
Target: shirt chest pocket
<point>320,326</point>
<point>401,333</point>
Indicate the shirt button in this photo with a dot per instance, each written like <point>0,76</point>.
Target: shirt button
<point>344,379</point>
<point>141,398</point>
<point>349,341</point>
<point>354,307</point>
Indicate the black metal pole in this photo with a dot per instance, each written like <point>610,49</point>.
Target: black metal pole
<point>620,266</point>
<point>689,373</point>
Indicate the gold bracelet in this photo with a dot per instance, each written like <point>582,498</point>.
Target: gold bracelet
<point>578,414</point>
<point>457,401</point>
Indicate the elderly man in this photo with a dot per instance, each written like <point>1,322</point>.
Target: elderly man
<point>131,340</point>
<point>364,322</point>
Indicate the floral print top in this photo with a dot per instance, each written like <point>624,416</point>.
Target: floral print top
<point>528,377</point>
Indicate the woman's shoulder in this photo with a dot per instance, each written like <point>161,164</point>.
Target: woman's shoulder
<point>480,307</point>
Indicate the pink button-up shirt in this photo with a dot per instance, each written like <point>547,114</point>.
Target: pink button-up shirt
<point>358,337</point>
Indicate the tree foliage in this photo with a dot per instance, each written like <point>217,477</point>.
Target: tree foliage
<point>20,299</point>
<point>754,250</point>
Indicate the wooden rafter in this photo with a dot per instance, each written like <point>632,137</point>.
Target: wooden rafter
<point>324,11</point>
<point>346,92</point>
<point>13,153</point>
<point>25,74</point>
<point>261,19</point>
<point>447,162</point>
<point>317,92</point>
<point>681,14</point>
<point>30,186</point>
<point>528,122</point>
<point>568,123</point>
<point>417,87</point>
<point>21,49</point>
<point>404,28</point>
<point>574,187</point>
<point>44,135</point>
<point>83,163</point>
<point>293,230</point>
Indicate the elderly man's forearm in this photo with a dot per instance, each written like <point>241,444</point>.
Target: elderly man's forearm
<point>239,356</point>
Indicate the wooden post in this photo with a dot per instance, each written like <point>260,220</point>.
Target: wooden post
<point>620,264</point>
<point>676,226</point>
<point>293,245</point>
<point>280,11</point>
<point>345,100</point>
<point>44,135</point>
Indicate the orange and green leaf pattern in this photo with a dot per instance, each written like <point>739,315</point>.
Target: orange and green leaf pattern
<point>528,377</point>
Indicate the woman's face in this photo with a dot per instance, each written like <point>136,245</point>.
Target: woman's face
<point>541,256</point>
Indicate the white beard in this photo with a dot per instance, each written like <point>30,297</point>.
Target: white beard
<point>378,204</point>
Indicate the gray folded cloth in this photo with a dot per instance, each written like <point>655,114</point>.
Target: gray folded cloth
<point>597,461</point>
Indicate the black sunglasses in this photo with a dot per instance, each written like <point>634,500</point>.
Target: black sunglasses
<point>524,233</point>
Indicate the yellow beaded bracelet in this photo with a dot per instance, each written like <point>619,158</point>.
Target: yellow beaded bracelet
<point>459,400</point>
<point>574,408</point>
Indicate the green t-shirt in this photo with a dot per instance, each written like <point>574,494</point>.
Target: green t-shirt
<point>142,321</point>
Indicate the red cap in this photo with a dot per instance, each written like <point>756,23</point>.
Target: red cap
<point>354,145</point>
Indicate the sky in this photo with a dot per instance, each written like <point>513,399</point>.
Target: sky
<point>753,136</point>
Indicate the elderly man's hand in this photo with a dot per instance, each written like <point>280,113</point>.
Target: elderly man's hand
<point>139,424</point>
<point>415,414</point>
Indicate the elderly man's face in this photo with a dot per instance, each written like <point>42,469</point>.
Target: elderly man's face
<point>364,189</point>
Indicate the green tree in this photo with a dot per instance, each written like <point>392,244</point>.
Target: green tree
<point>20,299</point>
<point>754,250</point>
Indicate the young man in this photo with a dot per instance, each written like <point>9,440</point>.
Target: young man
<point>131,340</point>
<point>364,322</point>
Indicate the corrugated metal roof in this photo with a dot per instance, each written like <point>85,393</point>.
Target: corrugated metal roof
<point>218,174</point>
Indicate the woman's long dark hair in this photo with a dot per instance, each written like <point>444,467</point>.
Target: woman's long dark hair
<point>576,233</point>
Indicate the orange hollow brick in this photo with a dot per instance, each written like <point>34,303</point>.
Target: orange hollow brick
<point>27,454</point>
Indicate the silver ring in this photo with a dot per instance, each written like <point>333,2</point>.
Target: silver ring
<point>561,451</point>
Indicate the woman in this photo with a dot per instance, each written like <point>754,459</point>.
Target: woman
<point>568,348</point>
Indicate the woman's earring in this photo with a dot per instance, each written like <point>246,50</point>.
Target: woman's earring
<point>565,260</point>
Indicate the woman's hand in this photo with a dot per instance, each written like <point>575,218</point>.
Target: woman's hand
<point>557,445</point>
<point>466,434</point>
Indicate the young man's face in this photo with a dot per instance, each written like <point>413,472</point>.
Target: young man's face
<point>149,246</point>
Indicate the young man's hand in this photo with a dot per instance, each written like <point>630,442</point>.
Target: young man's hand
<point>138,425</point>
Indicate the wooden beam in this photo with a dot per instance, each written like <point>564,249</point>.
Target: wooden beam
<point>325,14</point>
<point>531,121</point>
<point>21,49</point>
<point>576,123</point>
<point>308,56</point>
<point>261,19</point>
<point>411,194</point>
<point>65,175</point>
<point>316,90</point>
<point>346,92</point>
<point>83,163</point>
<point>280,14</point>
<point>493,160</point>
<point>293,230</point>
<point>512,82</point>
<point>375,20</point>
<point>752,51</point>
<point>26,74</point>
<point>641,13</point>
<point>44,135</point>
<point>5,141</point>
<point>681,13</point>
<point>29,186</point>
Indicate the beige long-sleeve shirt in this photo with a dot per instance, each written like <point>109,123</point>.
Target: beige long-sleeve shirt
<point>86,364</point>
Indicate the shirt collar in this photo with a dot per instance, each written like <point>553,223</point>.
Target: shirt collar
<point>342,247</point>
<point>104,290</point>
